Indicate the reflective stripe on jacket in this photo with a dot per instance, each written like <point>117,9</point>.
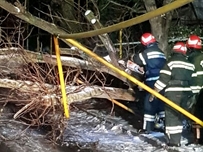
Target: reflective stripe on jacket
<point>196,57</point>
<point>177,70</point>
<point>153,60</point>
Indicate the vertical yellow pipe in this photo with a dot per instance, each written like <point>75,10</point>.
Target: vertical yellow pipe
<point>123,73</point>
<point>120,40</point>
<point>62,83</point>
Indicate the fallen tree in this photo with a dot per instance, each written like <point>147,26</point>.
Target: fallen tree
<point>14,56</point>
<point>74,93</point>
<point>32,84</point>
<point>32,78</point>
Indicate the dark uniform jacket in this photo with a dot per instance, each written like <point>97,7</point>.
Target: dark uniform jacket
<point>152,59</point>
<point>176,75</point>
<point>196,58</point>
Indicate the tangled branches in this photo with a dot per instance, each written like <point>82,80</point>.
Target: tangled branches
<point>37,99</point>
<point>33,83</point>
<point>32,88</point>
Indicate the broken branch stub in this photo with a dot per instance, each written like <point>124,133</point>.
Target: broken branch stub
<point>103,37</point>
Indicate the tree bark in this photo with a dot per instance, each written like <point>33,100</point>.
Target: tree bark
<point>104,37</point>
<point>160,24</point>
<point>99,92</point>
<point>74,93</point>
<point>20,12</point>
<point>67,13</point>
<point>14,58</point>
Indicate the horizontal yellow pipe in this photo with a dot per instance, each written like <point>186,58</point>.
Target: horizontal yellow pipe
<point>124,74</point>
<point>122,25</point>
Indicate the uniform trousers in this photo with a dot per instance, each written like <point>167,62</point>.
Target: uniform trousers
<point>173,119</point>
<point>151,109</point>
<point>198,112</point>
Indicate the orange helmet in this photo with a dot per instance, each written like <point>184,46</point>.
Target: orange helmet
<point>194,41</point>
<point>180,47</point>
<point>147,38</point>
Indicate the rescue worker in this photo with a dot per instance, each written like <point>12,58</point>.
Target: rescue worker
<point>152,59</point>
<point>195,56</point>
<point>175,78</point>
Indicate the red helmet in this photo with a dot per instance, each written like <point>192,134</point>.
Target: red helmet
<point>194,41</point>
<point>180,47</point>
<point>147,38</point>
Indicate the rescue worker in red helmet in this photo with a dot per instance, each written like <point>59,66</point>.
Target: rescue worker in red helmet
<point>176,79</point>
<point>195,56</point>
<point>152,59</point>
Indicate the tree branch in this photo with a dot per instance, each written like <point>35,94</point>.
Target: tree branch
<point>26,16</point>
<point>74,93</point>
<point>104,37</point>
<point>13,58</point>
<point>169,7</point>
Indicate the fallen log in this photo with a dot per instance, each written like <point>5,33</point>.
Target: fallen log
<point>44,96</point>
<point>87,92</point>
<point>13,58</point>
<point>74,93</point>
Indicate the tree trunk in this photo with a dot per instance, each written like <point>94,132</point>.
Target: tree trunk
<point>65,9</point>
<point>160,24</point>
<point>104,37</point>
<point>14,58</point>
<point>74,93</point>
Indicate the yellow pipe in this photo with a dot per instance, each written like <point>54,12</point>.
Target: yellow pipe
<point>62,83</point>
<point>167,101</point>
<point>122,105</point>
<point>120,40</point>
<point>122,25</point>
